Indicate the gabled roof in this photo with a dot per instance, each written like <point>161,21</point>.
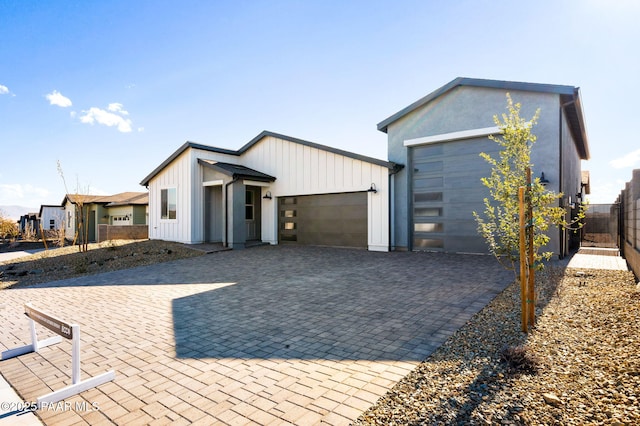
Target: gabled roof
<point>236,171</point>
<point>254,141</point>
<point>48,205</point>
<point>569,99</point>
<point>121,199</point>
<point>130,199</point>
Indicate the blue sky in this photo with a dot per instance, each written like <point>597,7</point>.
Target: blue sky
<point>110,89</point>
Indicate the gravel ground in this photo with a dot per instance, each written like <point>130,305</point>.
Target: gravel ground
<point>579,365</point>
<point>66,262</point>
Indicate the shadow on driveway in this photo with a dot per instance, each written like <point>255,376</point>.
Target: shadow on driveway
<point>335,304</point>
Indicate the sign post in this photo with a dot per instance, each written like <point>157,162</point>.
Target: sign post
<point>68,331</point>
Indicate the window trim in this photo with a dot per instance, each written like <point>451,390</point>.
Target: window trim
<point>167,216</point>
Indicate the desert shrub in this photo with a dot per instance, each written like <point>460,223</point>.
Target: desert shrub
<point>519,359</point>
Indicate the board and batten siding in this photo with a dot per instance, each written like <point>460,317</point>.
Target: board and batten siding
<point>49,213</point>
<point>304,170</point>
<point>175,175</point>
<point>187,177</point>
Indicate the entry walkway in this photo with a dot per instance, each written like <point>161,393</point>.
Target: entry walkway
<point>597,258</point>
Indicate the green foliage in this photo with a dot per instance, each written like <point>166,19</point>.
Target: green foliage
<point>500,224</point>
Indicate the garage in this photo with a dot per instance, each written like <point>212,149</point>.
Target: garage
<point>445,180</point>
<point>338,220</point>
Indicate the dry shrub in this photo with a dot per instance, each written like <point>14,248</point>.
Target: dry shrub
<point>519,359</point>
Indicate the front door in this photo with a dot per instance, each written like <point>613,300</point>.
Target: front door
<point>213,214</point>
<point>251,209</point>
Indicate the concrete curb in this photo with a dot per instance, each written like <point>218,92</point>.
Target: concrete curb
<point>11,408</point>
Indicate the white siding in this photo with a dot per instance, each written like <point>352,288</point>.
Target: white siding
<point>303,170</point>
<point>175,175</point>
<point>298,169</point>
<point>54,213</point>
<point>70,220</point>
<point>186,176</point>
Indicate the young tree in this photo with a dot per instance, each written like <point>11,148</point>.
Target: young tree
<point>81,213</point>
<point>500,225</point>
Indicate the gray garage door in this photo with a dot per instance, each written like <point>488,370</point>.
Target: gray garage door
<point>327,220</point>
<point>446,191</point>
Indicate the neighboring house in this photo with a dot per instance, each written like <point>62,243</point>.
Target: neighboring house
<point>127,208</point>
<point>275,189</point>
<point>440,137</point>
<point>51,217</point>
<point>29,224</point>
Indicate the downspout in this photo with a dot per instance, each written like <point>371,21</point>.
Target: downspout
<point>392,205</point>
<point>560,176</point>
<point>392,215</point>
<point>226,209</point>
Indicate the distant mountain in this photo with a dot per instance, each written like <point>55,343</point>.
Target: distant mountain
<point>14,212</point>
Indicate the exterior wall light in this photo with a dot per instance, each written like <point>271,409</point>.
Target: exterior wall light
<point>543,181</point>
<point>372,188</point>
<point>267,196</point>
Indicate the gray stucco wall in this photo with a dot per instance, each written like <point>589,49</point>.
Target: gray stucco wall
<point>466,108</point>
<point>571,185</point>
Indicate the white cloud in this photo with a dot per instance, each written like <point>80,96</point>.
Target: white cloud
<point>56,98</point>
<point>4,90</point>
<point>117,107</point>
<point>628,160</point>
<point>111,118</point>
<point>18,194</point>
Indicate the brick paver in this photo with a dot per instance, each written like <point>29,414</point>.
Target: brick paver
<point>270,335</point>
<point>597,258</point>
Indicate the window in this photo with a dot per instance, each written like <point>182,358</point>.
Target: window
<point>428,211</point>
<point>52,224</point>
<point>168,203</point>
<point>248,205</point>
<point>428,227</point>
<point>427,196</point>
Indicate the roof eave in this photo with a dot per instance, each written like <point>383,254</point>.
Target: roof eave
<point>264,178</point>
<point>178,152</point>
<point>476,82</point>
<point>265,133</point>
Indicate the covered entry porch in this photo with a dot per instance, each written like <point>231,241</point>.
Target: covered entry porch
<point>233,198</point>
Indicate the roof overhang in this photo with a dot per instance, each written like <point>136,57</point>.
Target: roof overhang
<point>145,182</point>
<point>236,171</point>
<point>569,98</point>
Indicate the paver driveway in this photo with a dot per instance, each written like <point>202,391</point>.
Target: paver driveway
<point>269,335</point>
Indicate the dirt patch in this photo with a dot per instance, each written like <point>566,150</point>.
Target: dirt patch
<point>9,247</point>
<point>67,262</point>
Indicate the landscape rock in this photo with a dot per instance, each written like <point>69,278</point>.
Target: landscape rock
<point>586,343</point>
<point>552,399</point>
